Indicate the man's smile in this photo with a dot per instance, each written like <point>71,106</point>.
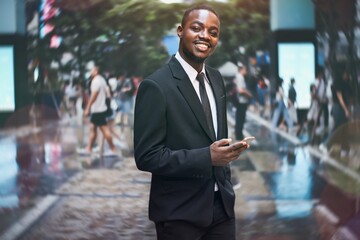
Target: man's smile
<point>202,46</point>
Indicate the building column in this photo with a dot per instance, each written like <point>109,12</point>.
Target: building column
<point>14,93</point>
<point>293,46</point>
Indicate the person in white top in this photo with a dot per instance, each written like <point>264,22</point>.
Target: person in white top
<point>96,109</point>
<point>321,97</point>
<point>244,96</point>
<point>281,109</point>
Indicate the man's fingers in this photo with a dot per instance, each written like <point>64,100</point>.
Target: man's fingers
<point>224,142</point>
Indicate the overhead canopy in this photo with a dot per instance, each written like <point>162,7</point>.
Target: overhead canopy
<point>228,69</point>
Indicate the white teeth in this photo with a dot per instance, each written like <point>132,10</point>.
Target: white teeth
<point>202,46</point>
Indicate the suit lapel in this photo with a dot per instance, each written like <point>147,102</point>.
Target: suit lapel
<point>187,90</point>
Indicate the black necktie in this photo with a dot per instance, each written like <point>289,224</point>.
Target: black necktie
<point>205,102</point>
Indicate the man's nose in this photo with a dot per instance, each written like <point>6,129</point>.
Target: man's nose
<point>205,34</point>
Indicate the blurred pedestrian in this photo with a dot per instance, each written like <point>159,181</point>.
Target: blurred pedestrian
<point>96,109</point>
<point>110,118</point>
<point>323,115</point>
<point>243,98</point>
<point>342,92</point>
<point>125,93</point>
<point>262,93</point>
<point>343,99</point>
<point>180,136</point>
<point>314,105</point>
<point>281,111</point>
<point>292,101</point>
<point>252,82</point>
<point>64,105</point>
<point>311,115</point>
<point>117,98</point>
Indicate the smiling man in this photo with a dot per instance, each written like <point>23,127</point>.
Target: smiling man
<point>181,137</point>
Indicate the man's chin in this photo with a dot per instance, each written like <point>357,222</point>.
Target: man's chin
<point>198,58</point>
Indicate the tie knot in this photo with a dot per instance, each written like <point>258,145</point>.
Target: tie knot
<point>201,78</point>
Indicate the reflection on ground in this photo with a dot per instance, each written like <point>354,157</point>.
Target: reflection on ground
<point>282,188</point>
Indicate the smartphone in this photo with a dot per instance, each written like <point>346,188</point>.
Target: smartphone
<point>248,140</point>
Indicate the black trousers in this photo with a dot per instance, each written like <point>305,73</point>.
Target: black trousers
<point>221,228</point>
<point>240,118</point>
<point>324,111</point>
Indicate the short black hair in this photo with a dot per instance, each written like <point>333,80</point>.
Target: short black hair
<point>197,7</point>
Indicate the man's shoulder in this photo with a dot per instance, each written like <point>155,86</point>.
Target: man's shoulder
<point>239,77</point>
<point>213,73</point>
<point>98,79</point>
<point>160,73</point>
<point>212,70</point>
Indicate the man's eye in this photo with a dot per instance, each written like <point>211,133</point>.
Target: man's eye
<point>196,29</point>
<point>214,33</point>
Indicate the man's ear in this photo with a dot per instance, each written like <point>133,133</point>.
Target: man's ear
<point>179,31</point>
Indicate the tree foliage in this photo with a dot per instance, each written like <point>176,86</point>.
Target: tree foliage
<point>244,23</point>
<point>126,35</point>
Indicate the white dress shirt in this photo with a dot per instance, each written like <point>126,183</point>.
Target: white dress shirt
<point>192,73</point>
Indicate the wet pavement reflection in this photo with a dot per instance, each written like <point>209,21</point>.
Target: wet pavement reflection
<point>279,185</point>
<point>31,167</point>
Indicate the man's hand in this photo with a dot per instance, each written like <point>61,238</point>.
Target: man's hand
<point>222,153</point>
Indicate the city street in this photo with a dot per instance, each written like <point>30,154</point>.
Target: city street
<point>48,191</point>
<point>288,71</point>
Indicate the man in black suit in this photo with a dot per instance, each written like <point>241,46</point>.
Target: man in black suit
<point>188,154</point>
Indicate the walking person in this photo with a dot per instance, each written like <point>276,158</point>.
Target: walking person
<point>343,99</point>
<point>342,92</point>
<point>311,114</point>
<point>281,109</point>
<point>110,118</point>
<point>96,109</point>
<point>65,99</point>
<point>243,98</point>
<point>292,101</point>
<point>125,93</point>
<point>262,93</point>
<point>181,137</point>
<point>321,97</point>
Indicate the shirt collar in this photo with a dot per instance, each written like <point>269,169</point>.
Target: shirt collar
<point>190,71</point>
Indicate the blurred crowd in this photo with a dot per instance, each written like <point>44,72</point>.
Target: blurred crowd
<point>121,96</point>
<point>334,102</point>
<point>334,106</point>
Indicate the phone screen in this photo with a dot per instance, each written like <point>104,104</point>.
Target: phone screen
<point>249,139</point>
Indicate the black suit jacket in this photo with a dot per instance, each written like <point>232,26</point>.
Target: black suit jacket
<point>172,140</point>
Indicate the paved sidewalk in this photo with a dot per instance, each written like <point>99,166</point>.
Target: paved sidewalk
<point>278,183</point>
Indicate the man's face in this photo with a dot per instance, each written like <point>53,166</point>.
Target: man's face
<point>199,35</point>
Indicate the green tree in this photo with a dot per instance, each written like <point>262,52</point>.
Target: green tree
<point>126,35</point>
<point>244,24</point>
<point>137,28</point>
